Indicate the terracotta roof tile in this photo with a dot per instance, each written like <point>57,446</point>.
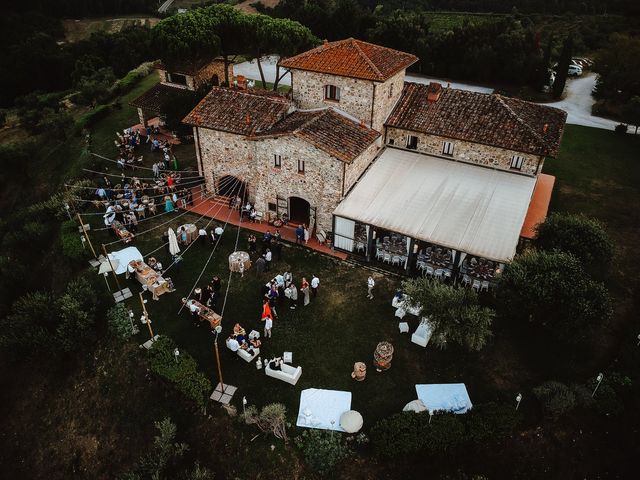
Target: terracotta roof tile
<point>352,58</point>
<point>488,119</point>
<point>157,97</point>
<point>329,131</point>
<point>237,111</point>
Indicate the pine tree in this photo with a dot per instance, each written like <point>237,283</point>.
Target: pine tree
<point>563,67</point>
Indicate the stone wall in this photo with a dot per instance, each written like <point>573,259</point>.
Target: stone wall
<point>320,185</point>
<point>359,165</point>
<point>386,96</point>
<point>466,151</point>
<point>225,153</point>
<point>355,95</point>
<point>214,68</point>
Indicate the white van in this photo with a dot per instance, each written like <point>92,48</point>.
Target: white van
<point>575,70</point>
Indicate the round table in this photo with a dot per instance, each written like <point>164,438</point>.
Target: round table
<point>239,262</point>
<point>192,232</point>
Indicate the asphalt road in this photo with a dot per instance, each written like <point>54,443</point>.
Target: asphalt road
<point>577,102</point>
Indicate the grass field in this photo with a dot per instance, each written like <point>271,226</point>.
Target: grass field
<point>80,29</point>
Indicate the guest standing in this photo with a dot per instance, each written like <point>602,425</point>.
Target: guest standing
<point>304,288</point>
<point>370,284</point>
<point>315,283</point>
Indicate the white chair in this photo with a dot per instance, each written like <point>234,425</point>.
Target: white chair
<point>387,257</point>
<point>395,260</point>
<point>476,285</point>
<point>422,335</point>
<point>379,254</point>
<point>404,327</point>
<point>447,273</point>
<point>360,246</point>
<point>259,216</point>
<point>287,357</point>
<point>253,335</point>
<point>429,271</point>
<point>466,280</point>
<point>400,312</point>
<point>246,354</point>
<point>484,286</point>
<point>439,273</point>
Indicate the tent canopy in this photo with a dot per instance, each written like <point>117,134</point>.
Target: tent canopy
<point>444,397</point>
<point>449,203</point>
<point>120,260</point>
<point>323,408</point>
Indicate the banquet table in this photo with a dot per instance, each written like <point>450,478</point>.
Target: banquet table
<point>192,232</point>
<point>146,275</point>
<point>239,262</point>
<point>121,231</point>
<point>205,313</point>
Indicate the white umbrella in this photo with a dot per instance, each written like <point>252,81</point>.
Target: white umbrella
<point>174,249</point>
<point>415,406</point>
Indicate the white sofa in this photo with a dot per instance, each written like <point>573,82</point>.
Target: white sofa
<point>246,356</point>
<point>422,335</point>
<point>288,373</point>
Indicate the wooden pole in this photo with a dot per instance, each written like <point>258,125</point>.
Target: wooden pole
<point>104,249</point>
<point>146,315</point>
<point>86,235</point>
<point>218,363</point>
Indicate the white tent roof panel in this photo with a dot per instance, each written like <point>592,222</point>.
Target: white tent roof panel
<point>457,205</point>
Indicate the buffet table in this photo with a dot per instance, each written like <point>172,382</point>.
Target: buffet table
<point>205,313</point>
<point>122,233</point>
<point>146,275</point>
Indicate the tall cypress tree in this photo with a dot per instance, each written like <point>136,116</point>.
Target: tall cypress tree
<point>563,67</point>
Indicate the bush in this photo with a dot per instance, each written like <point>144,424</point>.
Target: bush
<point>183,374</point>
<point>322,449</point>
<point>119,322</point>
<point>581,236</point>
<point>556,399</point>
<point>26,329</point>
<point>621,128</point>
<point>410,432</point>
<point>127,82</point>
<point>93,116</point>
<point>491,423</point>
<point>70,239</point>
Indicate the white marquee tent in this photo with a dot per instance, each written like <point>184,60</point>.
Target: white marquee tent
<point>454,204</point>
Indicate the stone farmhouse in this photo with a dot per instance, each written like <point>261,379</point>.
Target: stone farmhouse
<point>392,169</point>
<point>175,82</point>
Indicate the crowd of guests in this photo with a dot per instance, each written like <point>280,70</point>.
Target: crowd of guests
<point>239,340</point>
<point>131,139</point>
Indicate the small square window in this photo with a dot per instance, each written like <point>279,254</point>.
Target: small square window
<point>391,141</point>
<point>412,142</point>
<point>331,92</point>
<point>447,148</point>
<point>391,90</point>
<point>272,207</point>
<point>277,161</point>
<point>300,166</point>
<point>516,162</point>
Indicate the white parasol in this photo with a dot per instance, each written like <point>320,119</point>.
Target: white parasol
<point>174,249</point>
<point>105,266</point>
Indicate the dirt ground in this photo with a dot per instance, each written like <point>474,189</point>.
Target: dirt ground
<point>80,29</point>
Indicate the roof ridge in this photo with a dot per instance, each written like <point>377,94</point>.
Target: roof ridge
<point>536,135</point>
<point>366,58</point>
<point>313,119</point>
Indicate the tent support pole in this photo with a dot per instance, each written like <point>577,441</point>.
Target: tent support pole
<point>104,249</point>
<point>86,235</point>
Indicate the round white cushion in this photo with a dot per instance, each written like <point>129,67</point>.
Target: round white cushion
<point>415,406</point>
<point>351,421</point>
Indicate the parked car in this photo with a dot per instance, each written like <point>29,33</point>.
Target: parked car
<point>575,71</point>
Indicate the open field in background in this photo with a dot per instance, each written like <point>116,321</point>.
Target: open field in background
<point>79,29</point>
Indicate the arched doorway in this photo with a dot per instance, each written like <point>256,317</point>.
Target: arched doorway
<point>215,81</point>
<point>230,186</point>
<point>299,210</point>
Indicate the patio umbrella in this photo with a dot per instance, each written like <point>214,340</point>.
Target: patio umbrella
<point>174,249</point>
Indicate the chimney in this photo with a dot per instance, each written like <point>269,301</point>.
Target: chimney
<point>362,124</point>
<point>248,119</point>
<point>325,41</point>
<point>433,92</point>
<point>545,128</point>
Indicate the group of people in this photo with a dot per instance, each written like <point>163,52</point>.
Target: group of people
<point>239,340</point>
<point>282,287</point>
<point>210,294</point>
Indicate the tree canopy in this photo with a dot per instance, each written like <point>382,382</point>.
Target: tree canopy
<point>581,236</point>
<point>453,313</point>
<point>552,289</point>
<point>619,68</point>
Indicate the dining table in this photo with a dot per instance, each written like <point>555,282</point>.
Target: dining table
<point>239,262</point>
<point>192,232</point>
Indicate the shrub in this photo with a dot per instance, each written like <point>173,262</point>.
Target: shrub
<point>621,128</point>
<point>322,449</point>
<point>183,373</point>
<point>556,399</point>
<point>119,322</point>
<point>581,236</point>
<point>26,329</point>
<point>491,423</point>
<point>410,432</point>
<point>127,82</point>
<point>93,116</point>
<point>271,419</point>
<point>70,240</point>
